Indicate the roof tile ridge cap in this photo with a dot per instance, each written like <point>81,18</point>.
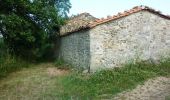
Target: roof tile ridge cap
<point>128,12</point>
<point>95,22</point>
<point>99,21</point>
<point>125,13</point>
<point>119,15</point>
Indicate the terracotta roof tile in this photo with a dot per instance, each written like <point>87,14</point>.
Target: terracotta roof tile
<point>76,23</point>
<point>126,13</point>
<point>81,23</point>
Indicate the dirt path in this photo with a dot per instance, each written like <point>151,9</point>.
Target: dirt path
<point>154,89</point>
<point>44,82</point>
<point>34,83</point>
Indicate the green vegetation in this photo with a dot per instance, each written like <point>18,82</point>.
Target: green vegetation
<point>2,47</point>
<point>30,27</point>
<point>9,63</point>
<point>112,81</point>
<point>167,98</point>
<point>40,83</point>
<point>75,85</point>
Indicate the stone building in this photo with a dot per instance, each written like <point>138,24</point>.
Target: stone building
<point>139,34</point>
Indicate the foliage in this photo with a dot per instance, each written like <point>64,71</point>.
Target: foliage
<point>63,7</point>
<point>110,82</point>
<point>2,47</point>
<point>29,28</point>
<point>9,63</point>
<point>65,86</point>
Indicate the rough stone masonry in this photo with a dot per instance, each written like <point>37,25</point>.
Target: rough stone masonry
<point>139,36</point>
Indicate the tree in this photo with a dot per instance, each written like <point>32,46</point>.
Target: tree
<point>63,6</point>
<point>30,27</point>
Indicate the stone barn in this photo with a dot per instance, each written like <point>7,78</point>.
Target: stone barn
<point>139,34</point>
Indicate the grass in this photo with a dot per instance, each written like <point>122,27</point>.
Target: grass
<point>36,83</point>
<point>9,63</point>
<point>112,81</point>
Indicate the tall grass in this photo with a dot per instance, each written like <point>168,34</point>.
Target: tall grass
<point>9,63</point>
<point>2,47</point>
<point>110,82</point>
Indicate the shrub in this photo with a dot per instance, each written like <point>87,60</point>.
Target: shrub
<point>32,31</point>
<point>9,63</point>
<point>2,47</point>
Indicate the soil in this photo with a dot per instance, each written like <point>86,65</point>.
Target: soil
<point>153,89</point>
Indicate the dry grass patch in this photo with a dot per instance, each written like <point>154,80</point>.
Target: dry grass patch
<point>30,83</point>
<point>46,82</point>
<point>56,72</point>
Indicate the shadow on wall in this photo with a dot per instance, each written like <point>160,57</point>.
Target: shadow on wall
<point>74,49</point>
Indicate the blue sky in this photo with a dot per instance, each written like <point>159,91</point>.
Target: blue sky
<point>102,8</point>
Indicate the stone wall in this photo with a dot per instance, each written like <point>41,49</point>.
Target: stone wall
<point>74,49</point>
<point>140,36</point>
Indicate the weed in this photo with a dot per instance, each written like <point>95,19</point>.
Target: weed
<point>36,83</point>
<point>113,81</point>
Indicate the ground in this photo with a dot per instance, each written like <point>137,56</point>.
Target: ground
<point>43,82</point>
<point>29,84</point>
<point>154,89</point>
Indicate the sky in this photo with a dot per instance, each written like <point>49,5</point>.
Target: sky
<point>103,8</point>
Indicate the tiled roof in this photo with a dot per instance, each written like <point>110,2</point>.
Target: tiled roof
<point>94,22</point>
<point>127,13</point>
<point>77,23</point>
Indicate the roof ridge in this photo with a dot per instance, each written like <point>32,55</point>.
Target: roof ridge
<point>126,13</point>
<point>86,24</point>
<point>81,21</point>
